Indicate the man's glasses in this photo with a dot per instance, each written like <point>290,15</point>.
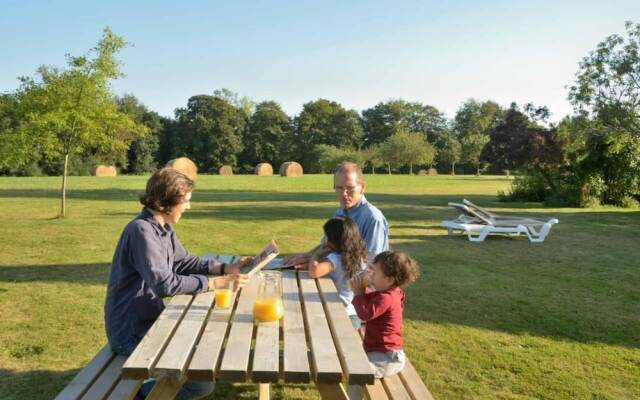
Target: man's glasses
<point>349,189</point>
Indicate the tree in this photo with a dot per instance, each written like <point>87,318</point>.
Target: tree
<point>72,111</point>
<point>267,136</point>
<point>518,144</point>
<point>325,122</point>
<point>451,152</point>
<point>407,148</point>
<point>385,119</point>
<point>471,149</point>
<point>142,151</point>
<point>608,83</point>
<point>472,124</point>
<point>209,131</point>
<point>607,88</point>
<point>243,103</point>
<point>372,156</point>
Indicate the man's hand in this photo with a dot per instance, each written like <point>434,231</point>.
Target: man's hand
<point>296,259</point>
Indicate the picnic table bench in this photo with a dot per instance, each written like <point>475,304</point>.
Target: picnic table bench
<point>195,340</point>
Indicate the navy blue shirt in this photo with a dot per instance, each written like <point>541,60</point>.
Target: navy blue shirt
<point>149,263</point>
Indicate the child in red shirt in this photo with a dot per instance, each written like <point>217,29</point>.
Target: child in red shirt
<point>382,309</point>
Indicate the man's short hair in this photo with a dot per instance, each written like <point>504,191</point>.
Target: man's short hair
<point>166,188</point>
<point>348,166</point>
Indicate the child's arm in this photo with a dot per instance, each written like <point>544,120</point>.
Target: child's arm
<point>371,306</point>
<point>318,269</point>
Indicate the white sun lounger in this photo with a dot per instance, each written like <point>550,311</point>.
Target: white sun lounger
<point>477,223</point>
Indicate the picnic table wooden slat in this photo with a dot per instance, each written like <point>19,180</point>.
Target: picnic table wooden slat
<point>235,361</point>
<point>326,365</point>
<point>141,362</point>
<point>207,353</point>
<point>81,382</point>
<point>375,391</point>
<point>394,388</point>
<point>414,385</point>
<point>176,355</point>
<point>107,380</point>
<point>126,389</point>
<point>348,343</point>
<point>166,387</point>
<point>296,360</point>
<point>266,356</point>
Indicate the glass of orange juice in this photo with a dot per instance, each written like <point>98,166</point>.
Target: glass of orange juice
<point>268,305</point>
<point>223,293</point>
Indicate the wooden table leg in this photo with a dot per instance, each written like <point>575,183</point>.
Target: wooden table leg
<point>333,391</point>
<point>166,387</point>
<point>263,391</point>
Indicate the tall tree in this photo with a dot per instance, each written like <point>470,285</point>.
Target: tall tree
<point>325,122</point>
<point>267,136</point>
<point>451,152</point>
<point>608,83</point>
<point>142,151</point>
<point>472,124</point>
<point>209,131</point>
<point>385,119</point>
<point>72,111</point>
<point>518,144</point>
<point>408,148</point>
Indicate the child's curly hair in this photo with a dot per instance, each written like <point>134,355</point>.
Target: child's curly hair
<point>399,266</point>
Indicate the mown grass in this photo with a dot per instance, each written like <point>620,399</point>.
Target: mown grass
<point>502,319</point>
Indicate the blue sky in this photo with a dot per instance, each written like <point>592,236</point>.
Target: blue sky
<point>357,53</point>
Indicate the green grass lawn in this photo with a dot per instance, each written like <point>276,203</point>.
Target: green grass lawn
<point>503,319</point>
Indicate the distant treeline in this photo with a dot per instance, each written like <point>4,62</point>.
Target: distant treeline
<point>69,117</point>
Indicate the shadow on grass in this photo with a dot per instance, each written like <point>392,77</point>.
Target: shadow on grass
<point>75,273</point>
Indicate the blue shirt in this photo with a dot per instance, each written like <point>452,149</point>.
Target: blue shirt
<point>372,224</point>
<point>149,263</point>
<point>339,278</point>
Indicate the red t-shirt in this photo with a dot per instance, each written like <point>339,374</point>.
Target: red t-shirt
<point>382,311</point>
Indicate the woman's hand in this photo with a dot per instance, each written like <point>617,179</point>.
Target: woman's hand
<point>234,269</point>
<point>233,281</point>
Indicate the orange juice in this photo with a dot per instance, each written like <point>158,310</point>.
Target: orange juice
<point>268,309</point>
<point>223,298</point>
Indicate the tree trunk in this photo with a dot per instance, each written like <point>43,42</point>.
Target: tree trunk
<point>453,168</point>
<point>478,170</point>
<point>389,166</point>
<point>410,169</point>
<point>373,170</point>
<point>63,191</point>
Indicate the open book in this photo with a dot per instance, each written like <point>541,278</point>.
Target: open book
<point>263,258</point>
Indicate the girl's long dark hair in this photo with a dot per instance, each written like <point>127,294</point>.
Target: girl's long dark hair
<point>344,235</point>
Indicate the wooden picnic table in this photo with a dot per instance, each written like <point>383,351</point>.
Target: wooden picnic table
<point>193,339</point>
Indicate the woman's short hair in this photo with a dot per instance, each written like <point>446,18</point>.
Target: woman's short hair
<point>166,188</point>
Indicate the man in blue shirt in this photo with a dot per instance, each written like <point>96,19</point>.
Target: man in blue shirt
<point>374,229</point>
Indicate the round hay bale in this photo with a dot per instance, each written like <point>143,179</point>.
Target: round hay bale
<point>422,172</point>
<point>186,166</point>
<point>290,169</point>
<point>104,170</point>
<point>432,172</point>
<point>264,169</point>
<point>225,170</point>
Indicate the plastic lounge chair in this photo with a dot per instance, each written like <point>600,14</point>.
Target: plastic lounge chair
<point>477,223</point>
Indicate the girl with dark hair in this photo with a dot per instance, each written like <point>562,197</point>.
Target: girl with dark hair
<point>343,256</point>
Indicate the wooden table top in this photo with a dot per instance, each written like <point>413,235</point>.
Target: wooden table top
<point>313,342</point>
